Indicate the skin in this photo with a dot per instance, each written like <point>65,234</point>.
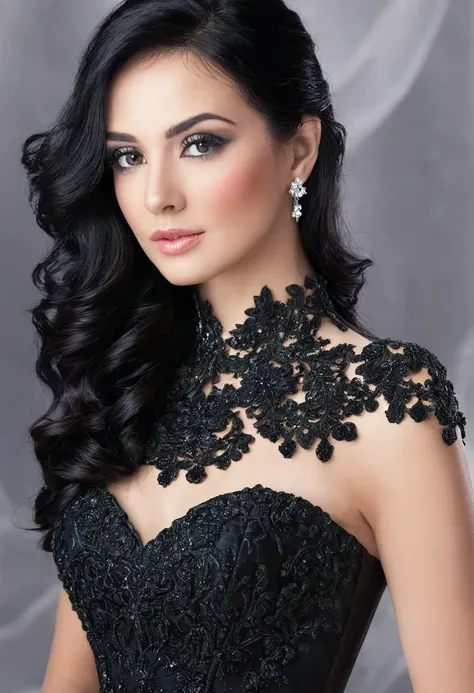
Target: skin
<point>413,489</point>
<point>238,195</point>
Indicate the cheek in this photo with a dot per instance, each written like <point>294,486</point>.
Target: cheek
<point>244,186</point>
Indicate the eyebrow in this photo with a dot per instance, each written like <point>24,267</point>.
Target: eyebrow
<point>173,130</point>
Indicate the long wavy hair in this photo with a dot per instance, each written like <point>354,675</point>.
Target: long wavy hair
<point>112,329</point>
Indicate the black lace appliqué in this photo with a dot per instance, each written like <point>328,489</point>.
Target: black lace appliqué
<point>255,589</point>
<point>279,354</point>
<point>249,591</point>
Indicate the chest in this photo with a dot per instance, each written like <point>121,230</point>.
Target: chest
<point>151,507</point>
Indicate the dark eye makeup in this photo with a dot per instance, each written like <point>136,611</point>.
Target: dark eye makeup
<point>209,140</point>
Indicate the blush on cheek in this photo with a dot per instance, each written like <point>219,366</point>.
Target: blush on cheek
<point>241,187</point>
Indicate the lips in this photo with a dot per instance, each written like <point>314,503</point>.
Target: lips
<point>172,234</point>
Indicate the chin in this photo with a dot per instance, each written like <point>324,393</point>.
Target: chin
<point>195,269</point>
<point>191,275</point>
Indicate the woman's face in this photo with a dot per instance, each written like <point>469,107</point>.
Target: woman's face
<point>222,178</point>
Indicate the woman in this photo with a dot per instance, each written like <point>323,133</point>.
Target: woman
<point>200,317</point>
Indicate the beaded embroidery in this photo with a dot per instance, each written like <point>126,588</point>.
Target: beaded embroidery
<point>249,591</point>
<point>270,370</point>
<point>254,589</point>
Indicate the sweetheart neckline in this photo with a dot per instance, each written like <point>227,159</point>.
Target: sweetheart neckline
<point>194,509</point>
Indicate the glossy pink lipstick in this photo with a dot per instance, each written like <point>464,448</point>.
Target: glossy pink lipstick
<point>176,241</point>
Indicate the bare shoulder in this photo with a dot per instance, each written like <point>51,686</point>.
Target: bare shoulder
<point>413,487</point>
<point>410,427</point>
<point>399,409</point>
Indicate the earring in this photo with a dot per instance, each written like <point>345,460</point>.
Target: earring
<point>297,190</point>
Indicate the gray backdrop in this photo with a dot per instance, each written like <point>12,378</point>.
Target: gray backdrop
<point>402,73</point>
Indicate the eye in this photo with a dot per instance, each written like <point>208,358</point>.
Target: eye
<point>125,153</point>
<point>205,140</point>
<point>128,155</point>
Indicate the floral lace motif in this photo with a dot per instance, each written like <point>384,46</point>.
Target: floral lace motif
<point>252,589</point>
<point>270,370</point>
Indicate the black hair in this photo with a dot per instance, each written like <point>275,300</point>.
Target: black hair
<point>112,329</point>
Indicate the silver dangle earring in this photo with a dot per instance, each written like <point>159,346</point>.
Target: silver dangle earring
<point>297,190</point>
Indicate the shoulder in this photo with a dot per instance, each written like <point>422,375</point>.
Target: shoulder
<point>413,487</point>
<point>394,381</point>
<point>393,401</point>
<point>409,428</point>
<point>407,381</point>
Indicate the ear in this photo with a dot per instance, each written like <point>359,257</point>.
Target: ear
<point>305,147</point>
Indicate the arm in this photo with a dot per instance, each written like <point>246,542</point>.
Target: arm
<point>416,494</point>
<point>71,666</point>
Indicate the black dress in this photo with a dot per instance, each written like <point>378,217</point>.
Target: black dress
<point>255,589</point>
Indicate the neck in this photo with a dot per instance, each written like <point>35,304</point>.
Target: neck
<point>295,313</point>
<point>230,297</point>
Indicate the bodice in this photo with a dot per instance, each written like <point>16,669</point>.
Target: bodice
<point>254,589</point>
<point>251,590</point>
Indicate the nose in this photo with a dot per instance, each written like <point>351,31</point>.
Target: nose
<point>162,192</point>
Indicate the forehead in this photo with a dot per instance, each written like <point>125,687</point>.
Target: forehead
<point>169,86</point>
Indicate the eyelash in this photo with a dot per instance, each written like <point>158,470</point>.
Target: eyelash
<point>206,138</point>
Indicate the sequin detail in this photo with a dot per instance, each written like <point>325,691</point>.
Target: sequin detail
<point>270,370</point>
<point>249,591</point>
<point>255,589</point>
